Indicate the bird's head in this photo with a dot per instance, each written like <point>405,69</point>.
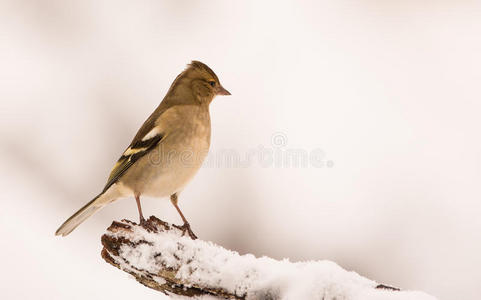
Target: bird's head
<point>199,79</point>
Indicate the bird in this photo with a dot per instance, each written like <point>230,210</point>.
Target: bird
<point>167,150</point>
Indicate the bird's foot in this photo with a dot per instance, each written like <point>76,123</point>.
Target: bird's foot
<point>147,225</point>
<point>186,228</point>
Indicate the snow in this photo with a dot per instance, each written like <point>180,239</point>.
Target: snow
<point>205,264</point>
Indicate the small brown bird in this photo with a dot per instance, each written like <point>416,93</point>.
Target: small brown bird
<point>167,151</point>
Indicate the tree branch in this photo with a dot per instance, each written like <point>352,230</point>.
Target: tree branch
<point>162,259</point>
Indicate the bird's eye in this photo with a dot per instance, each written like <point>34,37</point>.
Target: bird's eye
<point>212,83</point>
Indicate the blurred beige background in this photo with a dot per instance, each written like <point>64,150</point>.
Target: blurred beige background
<point>389,91</point>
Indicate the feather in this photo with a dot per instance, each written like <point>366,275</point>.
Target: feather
<point>81,215</point>
<point>130,156</point>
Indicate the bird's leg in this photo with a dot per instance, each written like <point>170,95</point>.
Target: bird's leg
<point>144,223</point>
<point>141,216</point>
<point>186,226</point>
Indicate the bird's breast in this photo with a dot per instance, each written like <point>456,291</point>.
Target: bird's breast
<point>178,156</point>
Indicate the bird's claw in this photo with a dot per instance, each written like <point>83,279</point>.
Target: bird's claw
<point>147,225</point>
<point>186,228</point>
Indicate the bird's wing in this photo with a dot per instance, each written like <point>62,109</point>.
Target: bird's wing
<point>135,151</point>
<point>148,136</point>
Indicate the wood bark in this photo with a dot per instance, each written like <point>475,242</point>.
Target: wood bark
<point>119,235</point>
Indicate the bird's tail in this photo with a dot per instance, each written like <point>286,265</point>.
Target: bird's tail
<point>82,214</point>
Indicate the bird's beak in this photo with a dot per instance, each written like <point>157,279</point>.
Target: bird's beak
<point>222,91</point>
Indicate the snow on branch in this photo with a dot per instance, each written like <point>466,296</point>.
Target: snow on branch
<point>164,260</point>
